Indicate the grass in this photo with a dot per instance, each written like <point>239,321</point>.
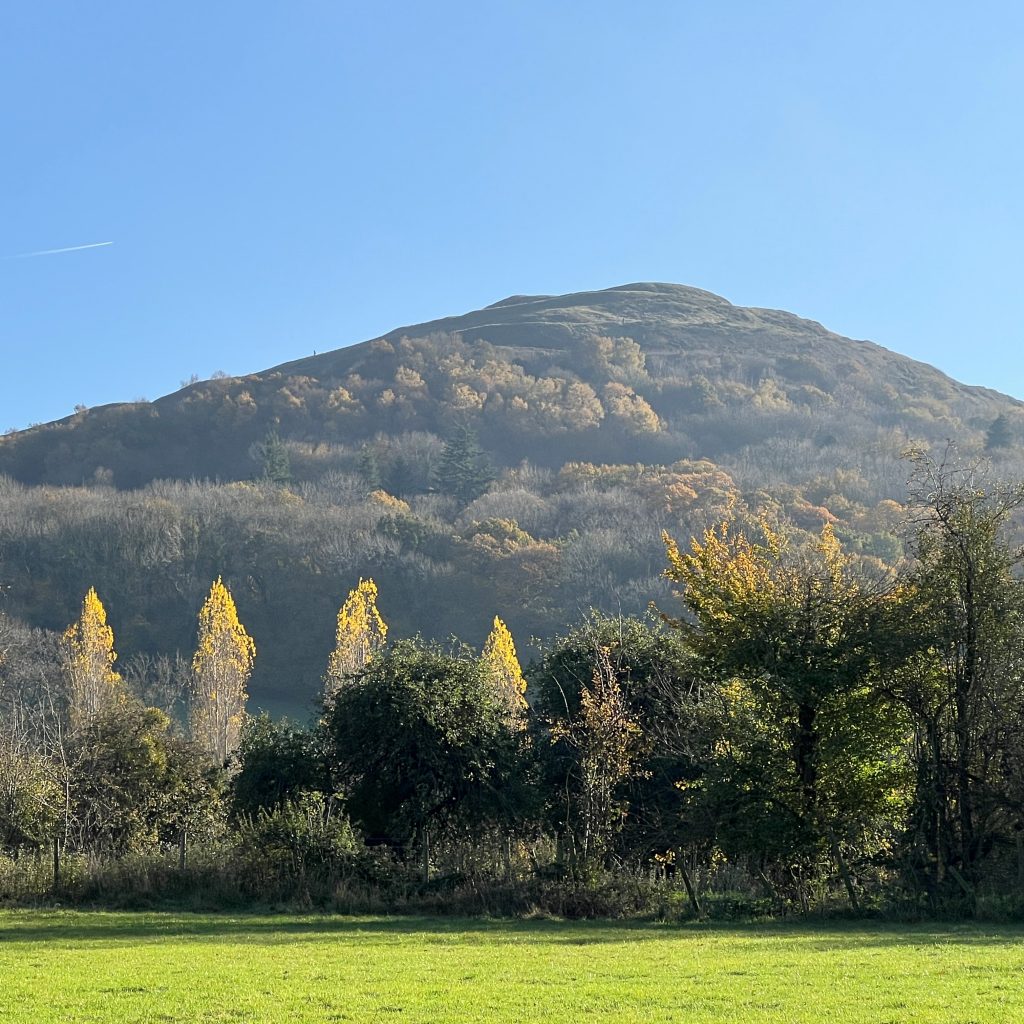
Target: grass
<point>106,967</point>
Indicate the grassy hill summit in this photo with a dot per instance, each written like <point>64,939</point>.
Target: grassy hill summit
<point>520,460</point>
<point>642,372</point>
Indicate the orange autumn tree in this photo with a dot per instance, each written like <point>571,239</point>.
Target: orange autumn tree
<point>499,655</point>
<point>221,668</point>
<point>359,636</point>
<point>89,658</point>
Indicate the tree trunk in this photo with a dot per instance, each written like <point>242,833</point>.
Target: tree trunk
<point>690,891</point>
<point>844,870</point>
<point>425,850</point>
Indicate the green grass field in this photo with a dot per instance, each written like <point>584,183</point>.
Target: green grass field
<point>100,967</point>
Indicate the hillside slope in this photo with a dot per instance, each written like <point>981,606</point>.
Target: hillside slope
<point>607,417</point>
<point>643,372</point>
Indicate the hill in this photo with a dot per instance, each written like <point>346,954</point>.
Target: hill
<point>605,417</point>
<point>644,372</point>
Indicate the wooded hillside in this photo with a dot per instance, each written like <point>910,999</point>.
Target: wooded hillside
<point>522,459</point>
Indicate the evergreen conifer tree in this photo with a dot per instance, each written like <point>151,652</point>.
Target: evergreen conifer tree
<point>369,468</point>
<point>999,434</point>
<point>464,470</point>
<point>275,465</point>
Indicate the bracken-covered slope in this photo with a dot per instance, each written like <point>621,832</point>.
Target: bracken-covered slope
<point>607,417</point>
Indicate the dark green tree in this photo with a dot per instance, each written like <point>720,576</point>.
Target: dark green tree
<point>464,472</point>
<point>369,467</point>
<point>1000,434</point>
<point>400,478</point>
<point>655,676</point>
<point>420,743</point>
<point>274,462</point>
<point>277,761</point>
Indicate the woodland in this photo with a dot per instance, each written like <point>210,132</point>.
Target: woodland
<point>766,616</point>
<point>521,460</point>
<point>809,729</point>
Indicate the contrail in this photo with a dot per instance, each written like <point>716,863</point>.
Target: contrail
<point>52,252</point>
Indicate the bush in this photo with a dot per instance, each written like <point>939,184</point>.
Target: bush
<point>298,849</point>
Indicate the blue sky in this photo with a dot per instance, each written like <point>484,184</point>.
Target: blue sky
<point>278,178</point>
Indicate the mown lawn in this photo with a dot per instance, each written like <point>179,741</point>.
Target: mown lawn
<point>106,967</point>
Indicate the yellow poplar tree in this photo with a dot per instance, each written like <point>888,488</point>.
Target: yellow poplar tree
<point>500,657</point>
<point>360,634</point>
<point>89,662</point>
<point>220,671</point>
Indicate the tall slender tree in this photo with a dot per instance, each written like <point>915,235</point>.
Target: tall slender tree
<point>606,742</point>
<point>89,658</point>
<point>220,672</point>
<point>275,464</point>
<point>369,467</point>
<point>500,657</point>
<point>359,636</point>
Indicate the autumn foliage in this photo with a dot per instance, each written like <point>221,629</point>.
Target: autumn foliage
<point>359,635</point>
<point>499,655</point>
<point>221,668</point>
<point>89,662</point>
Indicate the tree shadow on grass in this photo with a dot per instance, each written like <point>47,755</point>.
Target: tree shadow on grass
<point>72,927</point>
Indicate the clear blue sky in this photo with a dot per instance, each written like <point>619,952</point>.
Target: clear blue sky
<point>282,177</point>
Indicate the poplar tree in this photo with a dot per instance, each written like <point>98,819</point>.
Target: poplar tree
<point>500,657</point>
<point>220,671</point>
<point>89,658</point>
<point>359,636</point>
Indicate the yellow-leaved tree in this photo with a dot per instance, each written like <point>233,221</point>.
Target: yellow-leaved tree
<point>89,658</point>
<point>360,635</point>
<point>220,671</point>
<point>500,657</point>
<point>802,630</point>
